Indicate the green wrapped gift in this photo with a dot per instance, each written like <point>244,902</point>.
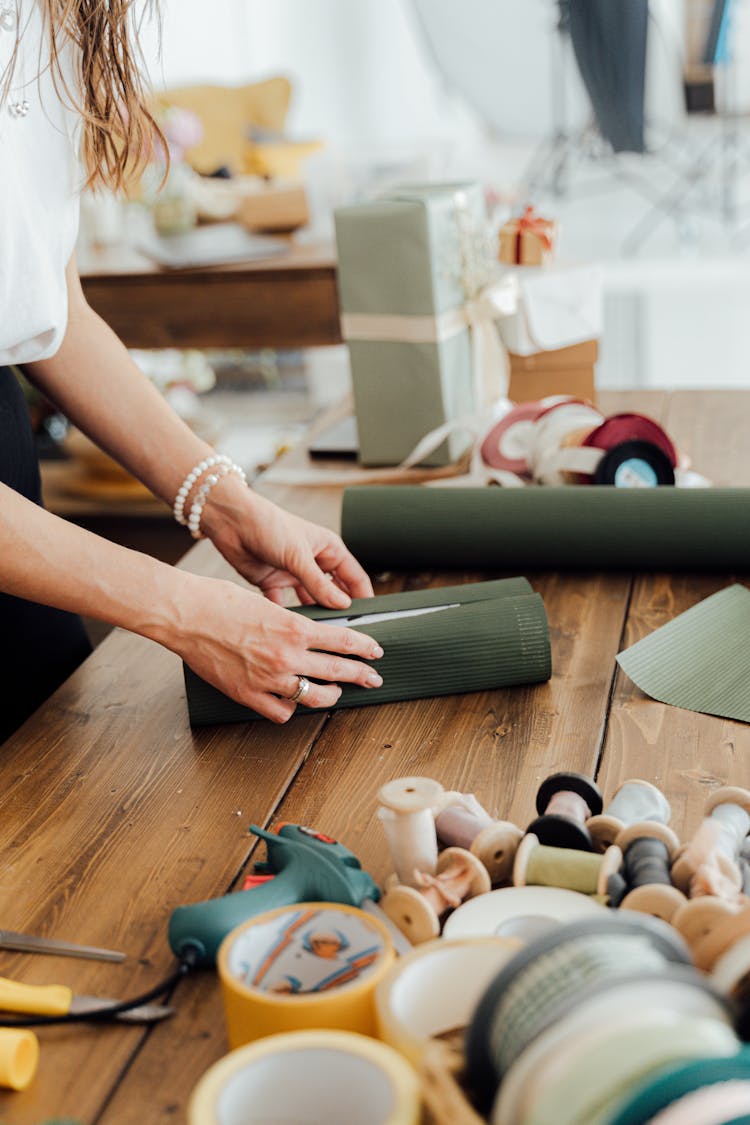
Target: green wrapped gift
<point>436,642</point>
<point>407,264</point>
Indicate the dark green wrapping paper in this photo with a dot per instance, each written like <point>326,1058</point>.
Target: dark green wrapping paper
<point>497,636</point>
<point>405,527</point>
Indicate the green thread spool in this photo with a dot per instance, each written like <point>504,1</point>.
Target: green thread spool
<point>542,866</point>
<point>666,1087</point>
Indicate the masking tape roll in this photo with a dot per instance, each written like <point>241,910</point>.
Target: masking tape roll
<point>19,1057</point>
<point>519,912</point>
<point>321,1077</point>
<point>435,989</point>
<point>310,965</point>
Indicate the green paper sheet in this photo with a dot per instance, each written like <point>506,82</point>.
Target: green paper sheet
<point>701,659</point>
<point>495,635</point>
<point>406,527</point>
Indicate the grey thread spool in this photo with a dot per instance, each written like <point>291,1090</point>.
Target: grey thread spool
<point>635,800</point>
<point>564,802</point>
<point>649,847</point>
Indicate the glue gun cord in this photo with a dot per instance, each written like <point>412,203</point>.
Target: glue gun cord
<point>109,1012</point>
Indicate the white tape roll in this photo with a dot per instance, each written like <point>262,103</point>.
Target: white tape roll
<point>315,1077</point>
<point>518,912</point>
<point>435,989</point>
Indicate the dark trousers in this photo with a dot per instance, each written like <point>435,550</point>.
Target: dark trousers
<point>39,646</point>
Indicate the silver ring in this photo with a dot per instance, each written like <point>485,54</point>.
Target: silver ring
<point>302,690</point>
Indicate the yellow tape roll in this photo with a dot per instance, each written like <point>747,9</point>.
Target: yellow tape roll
<point>320,1077</point>
<point>435,989</point>
<point>310,965</point>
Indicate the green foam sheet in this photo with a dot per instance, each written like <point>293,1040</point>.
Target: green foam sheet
<point>584,527</point>
<point>496,635</point>
<point>701,659</point>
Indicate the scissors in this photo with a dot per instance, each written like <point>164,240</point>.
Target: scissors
<point>27,943</point>
<point>59,1000</point>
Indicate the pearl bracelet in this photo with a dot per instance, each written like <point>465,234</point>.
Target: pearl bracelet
<point>196,508</point>
<point>194,475</point>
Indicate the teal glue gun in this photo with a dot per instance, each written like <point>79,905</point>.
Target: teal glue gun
<point>307,867</point>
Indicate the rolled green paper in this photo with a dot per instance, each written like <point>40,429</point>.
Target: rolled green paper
<point>580,527</point>
<point>494,635</point>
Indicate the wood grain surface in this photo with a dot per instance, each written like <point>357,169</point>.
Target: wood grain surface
<point>113,812</point>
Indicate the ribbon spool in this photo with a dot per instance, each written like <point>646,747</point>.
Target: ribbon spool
<point>544,981</point>
<point>506,445</point>
<point>621,428</point>
<point>417,912</point>
<point>635,800</point>
<point>345,1077</point>
<point>434,990</point>
<point>307,965</point>
<point>711,927</point>
<point>565,801</point>
<point>538,865</point>
<point>683,994</point>
<point>549,459</point>
<point>589,1075</point>
<point>648,847</point>
<point>519,912</point>
<point>712,863</point>
<point>634,464</point>
<point>406,814</point>
<point>667,1087</point>
<point>494,842</point>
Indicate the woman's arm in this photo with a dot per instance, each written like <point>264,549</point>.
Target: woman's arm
<point>240,642</point>
<point>93,380</point>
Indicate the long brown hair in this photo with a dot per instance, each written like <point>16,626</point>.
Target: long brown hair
<point>119,130</point>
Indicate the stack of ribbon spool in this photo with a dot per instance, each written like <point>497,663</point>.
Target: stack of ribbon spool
<point>566,440</point>
<point>593,1015</point>
<point>588,970</point>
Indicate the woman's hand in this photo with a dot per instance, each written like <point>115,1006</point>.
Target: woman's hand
<point>255,651</point>
<point>277,551</point>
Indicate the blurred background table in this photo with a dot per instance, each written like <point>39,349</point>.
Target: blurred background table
<point>288,301</point>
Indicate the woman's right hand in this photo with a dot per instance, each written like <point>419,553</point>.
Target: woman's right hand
<point>254,651</point>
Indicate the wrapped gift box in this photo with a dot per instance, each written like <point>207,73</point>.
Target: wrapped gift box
<point>406,261</point>
<point>528,240</point>
<point>552,337</point>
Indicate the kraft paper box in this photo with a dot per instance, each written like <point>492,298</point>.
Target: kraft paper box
<point>528,240</point>
<point>561,371</point>
<point>406,254</point>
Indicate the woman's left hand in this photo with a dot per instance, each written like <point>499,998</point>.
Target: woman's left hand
<point>277,551</point>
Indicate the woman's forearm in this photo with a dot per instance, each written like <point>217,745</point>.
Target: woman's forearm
<point>96,384</point>
<point>46,559</point>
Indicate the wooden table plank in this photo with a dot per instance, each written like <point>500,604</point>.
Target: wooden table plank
<point>685,753</point>
<point>113,812</point>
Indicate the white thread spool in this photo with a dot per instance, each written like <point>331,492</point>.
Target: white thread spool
<point>730,807</point>
<point>635,801</point>
<point>406,813</point>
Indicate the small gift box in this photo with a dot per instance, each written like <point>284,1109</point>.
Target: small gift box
<point>528,240</point>
<point>412,267</point>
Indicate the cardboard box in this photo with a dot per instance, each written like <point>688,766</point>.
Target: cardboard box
<point>274,208</point>
<point>563,371</point>
<point>527,241</point>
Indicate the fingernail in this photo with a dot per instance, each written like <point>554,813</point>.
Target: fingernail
<point>374,680</point>
<point>377,652</point>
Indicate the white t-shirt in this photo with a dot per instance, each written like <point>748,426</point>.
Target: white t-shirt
<point>40,183</point>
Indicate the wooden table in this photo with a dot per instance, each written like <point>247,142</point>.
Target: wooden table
<point>113,811</point>
<point>288,301</point>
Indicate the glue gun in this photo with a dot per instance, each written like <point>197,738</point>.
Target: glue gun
<point>307,867</point>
